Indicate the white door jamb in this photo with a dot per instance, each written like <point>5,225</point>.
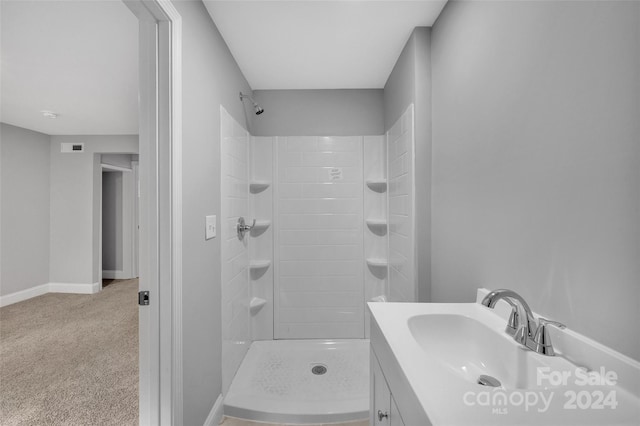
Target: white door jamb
<point>160,210</point>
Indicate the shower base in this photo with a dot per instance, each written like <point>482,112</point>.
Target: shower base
<point>302,381</point>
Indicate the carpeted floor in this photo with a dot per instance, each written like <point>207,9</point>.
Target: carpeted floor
<point>69,359</point>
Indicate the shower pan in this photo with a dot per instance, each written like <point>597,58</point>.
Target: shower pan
<point>302,381</point>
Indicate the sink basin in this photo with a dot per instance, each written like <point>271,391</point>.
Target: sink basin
<point>433,355</point>
<point>469,348</point>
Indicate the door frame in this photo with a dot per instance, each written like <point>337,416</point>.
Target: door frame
<point>135,225</point>
<point>129,219</point>
<point>160,323</point>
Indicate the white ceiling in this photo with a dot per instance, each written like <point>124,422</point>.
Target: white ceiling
<point>315,44</point>
<point>79,58</point>
<point>76,58</point>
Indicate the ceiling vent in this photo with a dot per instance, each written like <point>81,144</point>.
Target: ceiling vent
<point>71,147</point>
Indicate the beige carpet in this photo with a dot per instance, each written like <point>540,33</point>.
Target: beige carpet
<point>68,359</point>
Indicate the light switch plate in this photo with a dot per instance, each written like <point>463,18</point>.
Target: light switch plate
<point>210,227</point>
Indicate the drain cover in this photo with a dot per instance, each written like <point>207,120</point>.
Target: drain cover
<point>485,380</point>
<point>319,369</point>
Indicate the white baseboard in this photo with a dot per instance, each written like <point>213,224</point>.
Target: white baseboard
<point>115,275</point>
<point>74,288</point>
<point>39,290</point>
<point>19,296</point>
<point>215,415</point>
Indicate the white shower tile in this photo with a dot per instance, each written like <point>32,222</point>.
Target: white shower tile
<point>399,205</point>
<point>320,230</point>
<point>320,299</point>
<point>323,330</point>
<point>398,166</point>
<point>332,190</point>
<point>320,315</point>
<point>320,221</point>
<point>298,236</point>
<point>340,143</point>
<point>400,225</point>
<point>291,190</point>
<point>304,268</point>
<point>330,159</point>
<point>310,206</point>
<point>298,175</point>
<point>301,143</point>
<point>335,237</point>
<point>290,158</point>
<point>328,284</point>
<point>320,252</point>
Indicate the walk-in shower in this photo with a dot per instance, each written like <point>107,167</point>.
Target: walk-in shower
<point>333,230</point>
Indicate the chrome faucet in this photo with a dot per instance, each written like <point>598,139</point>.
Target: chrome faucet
<point>522,325</point>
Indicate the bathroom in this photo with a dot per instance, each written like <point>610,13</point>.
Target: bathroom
<point>520,123</point>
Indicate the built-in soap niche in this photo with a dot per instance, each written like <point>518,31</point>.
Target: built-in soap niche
<point>377,185</point>
<point>258,268</point>
<point>257,186</point>
<point>377,226</point>
<point>260,227</point>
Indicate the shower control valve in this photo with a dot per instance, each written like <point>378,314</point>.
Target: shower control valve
<point>242,227</point>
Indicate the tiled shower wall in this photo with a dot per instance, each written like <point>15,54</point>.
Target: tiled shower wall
<point>400,154</point>
<point>235,276</point>
<point>319,289</point>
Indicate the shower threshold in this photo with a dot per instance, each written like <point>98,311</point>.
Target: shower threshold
<point>302,381</point>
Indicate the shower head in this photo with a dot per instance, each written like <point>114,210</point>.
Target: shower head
<point>257,108</point>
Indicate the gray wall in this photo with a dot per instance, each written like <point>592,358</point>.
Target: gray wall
<point>75,205</point>
<point>348,112</point>
<point>536,183</point>
<point>211,77</point>
<point>410,82</point>
<point>24,176</point>
<point>112,218</point>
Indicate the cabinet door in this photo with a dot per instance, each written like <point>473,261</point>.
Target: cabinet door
<point>380,399</point>
<point>394,414</point>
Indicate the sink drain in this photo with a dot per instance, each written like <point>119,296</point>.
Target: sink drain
<point>319,369</point>
<point>485,380</point>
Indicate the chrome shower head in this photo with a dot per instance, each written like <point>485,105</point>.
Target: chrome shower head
<point>257,108</point>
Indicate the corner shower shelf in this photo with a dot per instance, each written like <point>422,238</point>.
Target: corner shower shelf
<point>259,264</point>
<point>377,224</point>
<point>256,304</point>
<point>377,262</point>
<point>377,185</point>
<point>261,225</point>
<point>257,186</point>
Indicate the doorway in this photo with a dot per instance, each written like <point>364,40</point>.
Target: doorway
<point>119,221</point>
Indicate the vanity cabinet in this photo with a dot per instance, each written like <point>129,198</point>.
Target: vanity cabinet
<point>384,410</point>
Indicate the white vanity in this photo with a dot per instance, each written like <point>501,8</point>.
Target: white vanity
<point>454,364</point>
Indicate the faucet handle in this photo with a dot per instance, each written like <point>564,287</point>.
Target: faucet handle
<point>541,340</point>
<point>544,321</point>
<point>513,322</point>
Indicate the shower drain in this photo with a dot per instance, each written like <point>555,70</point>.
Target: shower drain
<point>319,369</point>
